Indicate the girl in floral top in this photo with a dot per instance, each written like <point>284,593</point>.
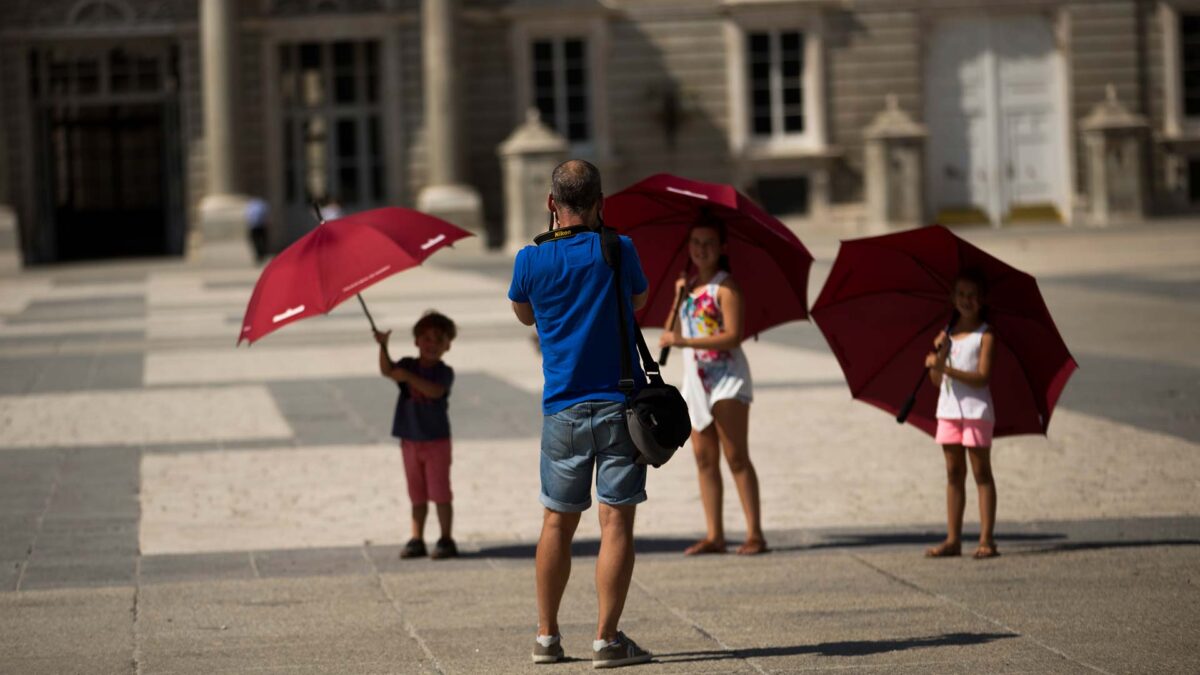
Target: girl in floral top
<point>716,386</point>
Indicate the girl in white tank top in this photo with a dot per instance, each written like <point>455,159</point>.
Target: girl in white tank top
<point>960,367</point>
<point>716,386</point>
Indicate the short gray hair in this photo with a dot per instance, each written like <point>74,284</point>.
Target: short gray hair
<point>575,185</point>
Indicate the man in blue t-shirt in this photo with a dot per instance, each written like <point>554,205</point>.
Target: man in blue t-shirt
<point>564,286</point>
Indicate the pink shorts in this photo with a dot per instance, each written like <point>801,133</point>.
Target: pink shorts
<point>427,470</point>
<point>967,433</point>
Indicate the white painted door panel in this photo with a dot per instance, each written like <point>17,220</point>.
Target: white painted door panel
<point>992,109</point>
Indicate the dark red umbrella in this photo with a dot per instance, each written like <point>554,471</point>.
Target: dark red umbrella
<point>887,298</point>
<point>767,259</point>
<point>337,260</point>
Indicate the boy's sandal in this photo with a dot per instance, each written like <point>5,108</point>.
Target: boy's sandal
<point>986,551</point>
<point>705,546</point>
<point>753,547</point>
<point>444,548</point>
<point>944,550</point>
<point>415,548</point>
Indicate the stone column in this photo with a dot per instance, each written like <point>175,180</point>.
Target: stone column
<point>895,169</point>
<point>10,254</point>
<point>222,208</point>
<point>528,156</point>
<point>1115,140</point>
<point>445,196</point>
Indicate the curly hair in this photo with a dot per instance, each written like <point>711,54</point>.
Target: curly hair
<point>432,319</point>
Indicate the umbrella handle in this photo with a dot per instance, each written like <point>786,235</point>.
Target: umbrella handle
<point>912,399</point>
<point>662,354</point>
<point>366,311</point>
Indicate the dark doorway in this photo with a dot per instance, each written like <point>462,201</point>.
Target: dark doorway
<point>109,180</point>
<point>109,160</point>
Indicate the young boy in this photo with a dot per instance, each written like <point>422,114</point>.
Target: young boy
<point>423,427</point>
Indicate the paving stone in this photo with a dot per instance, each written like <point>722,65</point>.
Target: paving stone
<point>311,562</point>
<point>56,572</point>
<point>309,625</point>
<point>100,307</point>
<point>195,567</point>
<point>67,631</point>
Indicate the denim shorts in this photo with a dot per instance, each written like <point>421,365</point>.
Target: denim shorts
<point>589,435</point>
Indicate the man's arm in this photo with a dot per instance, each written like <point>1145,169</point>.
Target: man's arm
<point>524,312</point>
<point>639,300</point>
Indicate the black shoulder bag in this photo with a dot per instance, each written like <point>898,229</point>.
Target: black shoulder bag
<point>657,416</point>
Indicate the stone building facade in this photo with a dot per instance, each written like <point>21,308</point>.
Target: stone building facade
<point>106,103</point>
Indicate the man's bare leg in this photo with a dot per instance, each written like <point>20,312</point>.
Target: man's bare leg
<point>614,566</point>
<point>553,566</point>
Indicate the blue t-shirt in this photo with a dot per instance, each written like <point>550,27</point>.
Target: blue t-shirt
<point>573,291</point>
<point>418,417</point>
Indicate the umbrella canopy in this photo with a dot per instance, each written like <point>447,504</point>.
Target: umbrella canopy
<point>337,260</point>
<point>768,261</point>
<point>888,297</point>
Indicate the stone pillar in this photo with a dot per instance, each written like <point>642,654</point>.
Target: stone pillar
<point>445,196</point>
<point>10,251</point>
<point>1115,140</point>
<point>528,156</point>
<point>895,160</point>
<point>222,208</point>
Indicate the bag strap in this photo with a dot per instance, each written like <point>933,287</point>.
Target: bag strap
<point>610,243</point>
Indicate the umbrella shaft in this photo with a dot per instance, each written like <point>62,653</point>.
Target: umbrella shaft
<point>365,310</point>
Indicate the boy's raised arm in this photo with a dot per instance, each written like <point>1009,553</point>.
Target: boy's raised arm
<point>385,362</point>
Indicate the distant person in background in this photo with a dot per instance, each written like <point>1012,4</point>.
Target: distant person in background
<point>258,216</point>
<point>331,209</point>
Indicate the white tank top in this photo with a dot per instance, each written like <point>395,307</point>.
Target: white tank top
<point>957,400</point>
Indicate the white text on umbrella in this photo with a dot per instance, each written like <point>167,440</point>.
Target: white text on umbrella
<point>432,242</point>
<point>689,193</point>
<point>287,314</point>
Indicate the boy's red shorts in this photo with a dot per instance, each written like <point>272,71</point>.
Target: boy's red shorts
<point>427,470</point>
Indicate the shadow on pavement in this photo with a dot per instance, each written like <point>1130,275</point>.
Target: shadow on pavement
<point>586,547</point>
<point>1100,545</point>
<point>849,648</point>
<point>905,538</point>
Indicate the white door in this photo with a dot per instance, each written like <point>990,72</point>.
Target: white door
<point>992,108</point>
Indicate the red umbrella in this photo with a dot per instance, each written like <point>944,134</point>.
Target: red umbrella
<point>337,260</point>
<point>887,298</point>
<point>769,262</point>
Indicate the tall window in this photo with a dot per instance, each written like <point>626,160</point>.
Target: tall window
<point>560,86</point>
<point>332,141</point>
<point>775,60</point>
<point>1189,47</point>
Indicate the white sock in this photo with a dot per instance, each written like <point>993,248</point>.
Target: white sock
<point>597,645</point>
<point>547,640</point>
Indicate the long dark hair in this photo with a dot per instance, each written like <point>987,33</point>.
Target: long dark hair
<point>707,220</point>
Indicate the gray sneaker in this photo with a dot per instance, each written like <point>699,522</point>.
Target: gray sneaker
<point>619,652</point>
<point>551,654</point>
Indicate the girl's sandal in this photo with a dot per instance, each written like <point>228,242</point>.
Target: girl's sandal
<point>753,547</point>
<point>944,550</point>
<point>986,551</point>
<point>705,546</point>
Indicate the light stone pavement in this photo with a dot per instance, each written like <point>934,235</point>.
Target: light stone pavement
<point>144,459</point>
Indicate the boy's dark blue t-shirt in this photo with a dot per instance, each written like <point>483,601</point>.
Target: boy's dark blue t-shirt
<point>573,291</point>
<point>418,417</point>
